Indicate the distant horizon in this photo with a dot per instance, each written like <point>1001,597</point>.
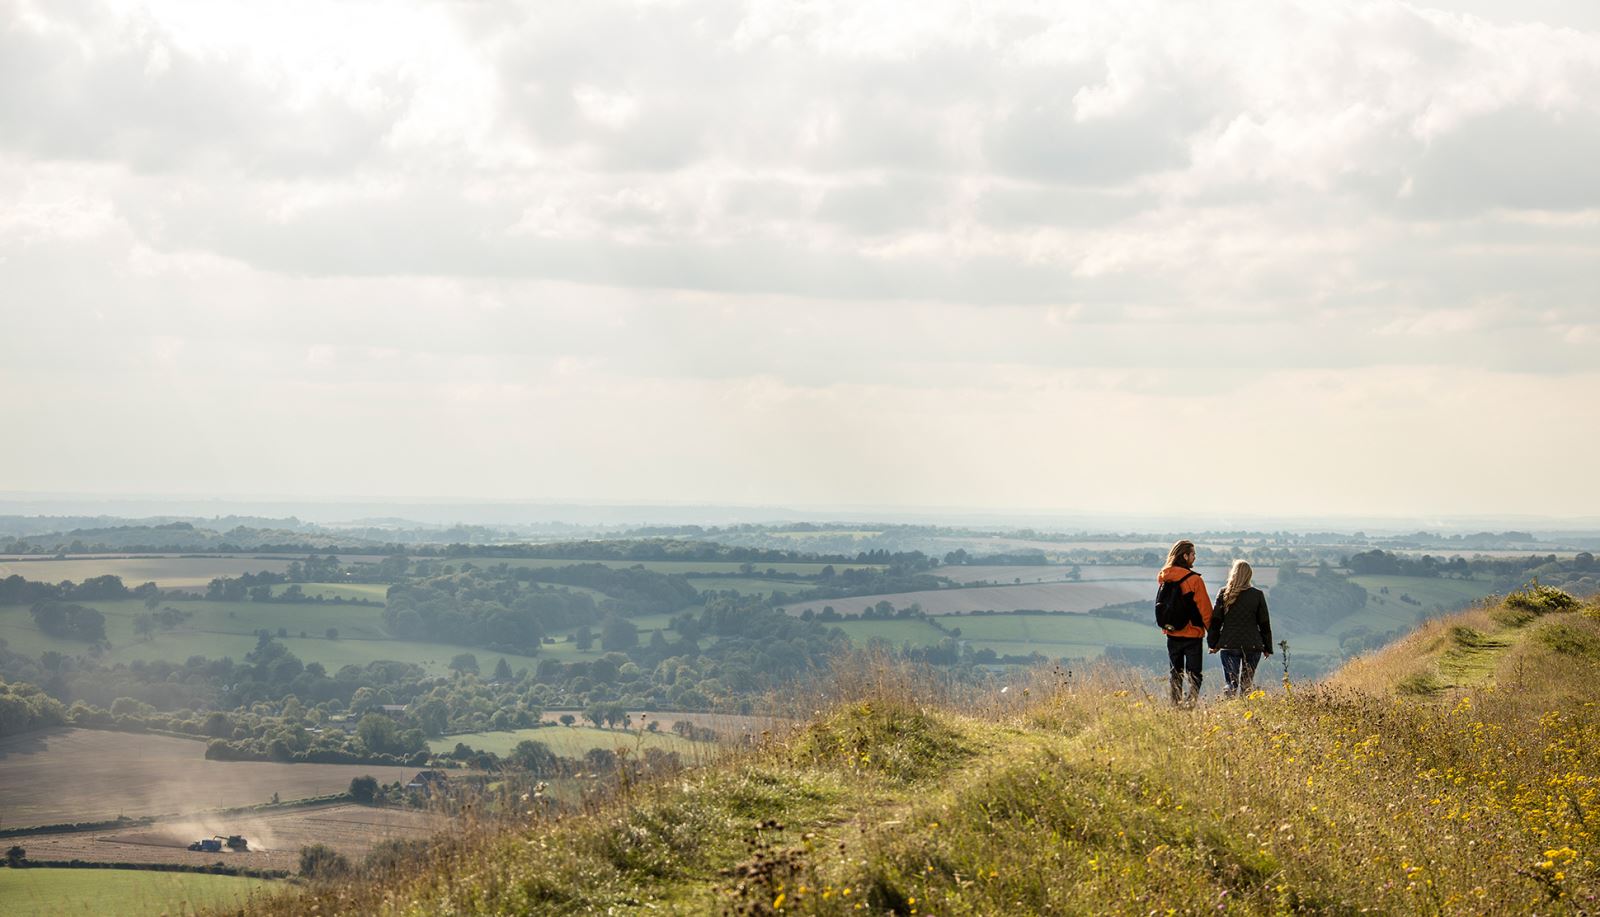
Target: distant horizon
<point>446,510</point>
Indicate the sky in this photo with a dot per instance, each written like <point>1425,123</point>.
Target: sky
<point>1257,258</point>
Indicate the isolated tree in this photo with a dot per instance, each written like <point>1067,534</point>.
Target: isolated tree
<point>217,725</point>
<point>433,715</point>
<point>567,719</point>
<point>600,760</point>
<point>465,663</point>
<point>534,756</point>
<point>379,734</point>
<point>364,789</point>
<point>502,670</point>
<point>618,633</point>
<point>15,855</point>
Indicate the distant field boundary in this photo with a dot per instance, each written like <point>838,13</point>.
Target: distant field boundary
<point>144,820</point>
<point>214,869</point>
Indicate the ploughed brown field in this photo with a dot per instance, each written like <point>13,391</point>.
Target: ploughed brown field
<point>275,837</point>
<point>53,776</point>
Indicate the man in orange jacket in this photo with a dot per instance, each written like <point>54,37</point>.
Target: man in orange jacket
<point>1184,643</point>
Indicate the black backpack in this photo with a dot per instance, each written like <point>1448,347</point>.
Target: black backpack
<point>1176,609</point>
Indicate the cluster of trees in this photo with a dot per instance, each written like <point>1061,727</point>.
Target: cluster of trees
<point>864,581</point>
<point>1578,574</point>
<point>24,707</point>
<point>257,587</point>
<point>640,550</point>
<point>475,608</point>
<point>69,621</point>
<point>1033,558</point>
<point>15,590</point>
<point>629,590</point>
<point>1312,601</point>
<point>537,760</point>
<point>377,739</point>
<point>1383,563</point>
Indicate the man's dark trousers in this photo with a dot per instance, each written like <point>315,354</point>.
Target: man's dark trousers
<point>1185,653</point>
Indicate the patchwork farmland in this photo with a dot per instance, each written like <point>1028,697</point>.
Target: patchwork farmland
<point>60,775</point>
<point>1042,588</point>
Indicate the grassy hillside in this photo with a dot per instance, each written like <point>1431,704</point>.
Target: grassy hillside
<point>1457,772</point>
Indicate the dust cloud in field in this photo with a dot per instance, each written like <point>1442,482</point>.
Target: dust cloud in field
<point>258,833</point>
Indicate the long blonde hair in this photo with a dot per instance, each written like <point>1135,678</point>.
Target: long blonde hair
<point>1238,582</point>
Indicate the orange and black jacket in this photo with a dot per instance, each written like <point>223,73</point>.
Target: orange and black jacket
<point>1196,586</point>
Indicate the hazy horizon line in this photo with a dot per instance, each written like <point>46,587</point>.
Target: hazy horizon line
<point>47,504</point>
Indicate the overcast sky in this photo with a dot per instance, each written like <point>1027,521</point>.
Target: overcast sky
<point>1258,257</point>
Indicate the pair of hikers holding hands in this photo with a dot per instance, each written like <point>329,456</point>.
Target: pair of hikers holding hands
<point>1235,625</point>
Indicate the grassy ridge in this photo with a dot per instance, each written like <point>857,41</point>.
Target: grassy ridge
<point>1457,772</point>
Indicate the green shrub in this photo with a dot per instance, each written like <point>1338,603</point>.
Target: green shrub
<point>885,738</point>
<point>1419,683</point>
<point>1470,638</point>
<point>1570,641</point>
<point>1540,600</point>
<point>1506,616</point>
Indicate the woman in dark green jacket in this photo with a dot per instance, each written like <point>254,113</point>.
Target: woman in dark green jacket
<point>1240,630</point>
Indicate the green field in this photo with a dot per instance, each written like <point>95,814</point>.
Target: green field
<point>372,592</point>
<point>166,571</point>
<point>124,892</point>
<point>228,629</point>
<point>1078,629</point>
<point>1084,637</point>
<point>909,630</point>
<point>1073,636</point>
<point>1434,594</point>
<point>229,618</point>
<point>747,585</point>
<point>217,629</point>
<point>574,741</point>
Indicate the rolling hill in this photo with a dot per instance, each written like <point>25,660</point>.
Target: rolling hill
<point>1454,772</point>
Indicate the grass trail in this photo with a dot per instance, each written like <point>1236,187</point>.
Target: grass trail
<point>1480,794</point>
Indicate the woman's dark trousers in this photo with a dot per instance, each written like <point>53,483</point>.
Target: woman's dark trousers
<point>1239,670</point>
<point>1185,653</point>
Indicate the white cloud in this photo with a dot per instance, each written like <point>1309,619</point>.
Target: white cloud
<point>832,252</point>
